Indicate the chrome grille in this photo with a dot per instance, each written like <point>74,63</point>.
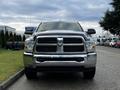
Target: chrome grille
<point>59,44</point>
<point>73,45</point>
<point>46,45</point>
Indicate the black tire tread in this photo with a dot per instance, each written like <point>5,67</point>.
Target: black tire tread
<point>30,73</point>
<point>89,74</point>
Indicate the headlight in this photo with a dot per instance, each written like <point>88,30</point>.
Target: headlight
<point>29,43</point>
<point>90,46</point>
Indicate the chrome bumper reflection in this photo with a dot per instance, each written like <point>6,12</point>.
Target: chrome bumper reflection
<point>89,60</point>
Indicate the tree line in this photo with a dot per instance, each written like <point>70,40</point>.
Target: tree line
<point>9,37</point>
<point>111,20</point>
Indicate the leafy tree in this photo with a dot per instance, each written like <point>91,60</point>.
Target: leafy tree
<point>11,37</point>
<point>2,39</point>
<point>111,20</point>
<point>24,38</point>
<point>6,37</point>
<point>20,38</point>
<point>14,36</point>
<point>17,38</point>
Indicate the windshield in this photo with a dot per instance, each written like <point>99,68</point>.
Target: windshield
<point>59,26</point>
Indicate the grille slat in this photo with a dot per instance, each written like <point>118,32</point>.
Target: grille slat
<point>49,44</point>
<point>74,44</point>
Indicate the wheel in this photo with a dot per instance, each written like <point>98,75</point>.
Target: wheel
<point>30,73</point>
<point>89,74</point>
<point>116,46</point>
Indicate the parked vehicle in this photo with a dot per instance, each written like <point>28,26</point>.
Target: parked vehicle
<point>17,45</point>
<point>112,43</point>
<point>117,44</point>
<point>100,41</point>
<point>106,43</point>
<point>60,46</point>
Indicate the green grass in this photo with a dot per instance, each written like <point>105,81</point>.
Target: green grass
<point>10,63</point>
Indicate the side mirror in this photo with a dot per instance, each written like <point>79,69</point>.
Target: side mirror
<point>91,31</point>
<point>29,30</point>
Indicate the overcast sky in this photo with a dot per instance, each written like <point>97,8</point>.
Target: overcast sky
<point>21,13</point>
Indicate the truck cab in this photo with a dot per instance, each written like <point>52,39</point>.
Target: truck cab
<point>60,46</point>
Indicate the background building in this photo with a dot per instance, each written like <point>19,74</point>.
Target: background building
<point>7,28</point>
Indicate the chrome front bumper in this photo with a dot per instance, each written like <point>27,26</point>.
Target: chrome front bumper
<point>30,60</point>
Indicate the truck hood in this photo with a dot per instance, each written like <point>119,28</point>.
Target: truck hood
<point>61,33</point>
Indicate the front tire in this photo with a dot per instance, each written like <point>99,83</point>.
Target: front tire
<point>30,73</point>
<point>89,74</point>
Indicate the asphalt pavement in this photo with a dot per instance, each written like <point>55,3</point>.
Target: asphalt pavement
<point>107,76</point>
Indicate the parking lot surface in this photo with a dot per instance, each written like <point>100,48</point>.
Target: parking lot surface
<point>107,76</point>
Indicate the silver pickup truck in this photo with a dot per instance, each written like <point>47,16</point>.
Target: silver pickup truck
<point>60,46</point>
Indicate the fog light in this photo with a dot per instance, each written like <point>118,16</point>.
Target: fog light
<point>40,59</point>
<point>80,59</point>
